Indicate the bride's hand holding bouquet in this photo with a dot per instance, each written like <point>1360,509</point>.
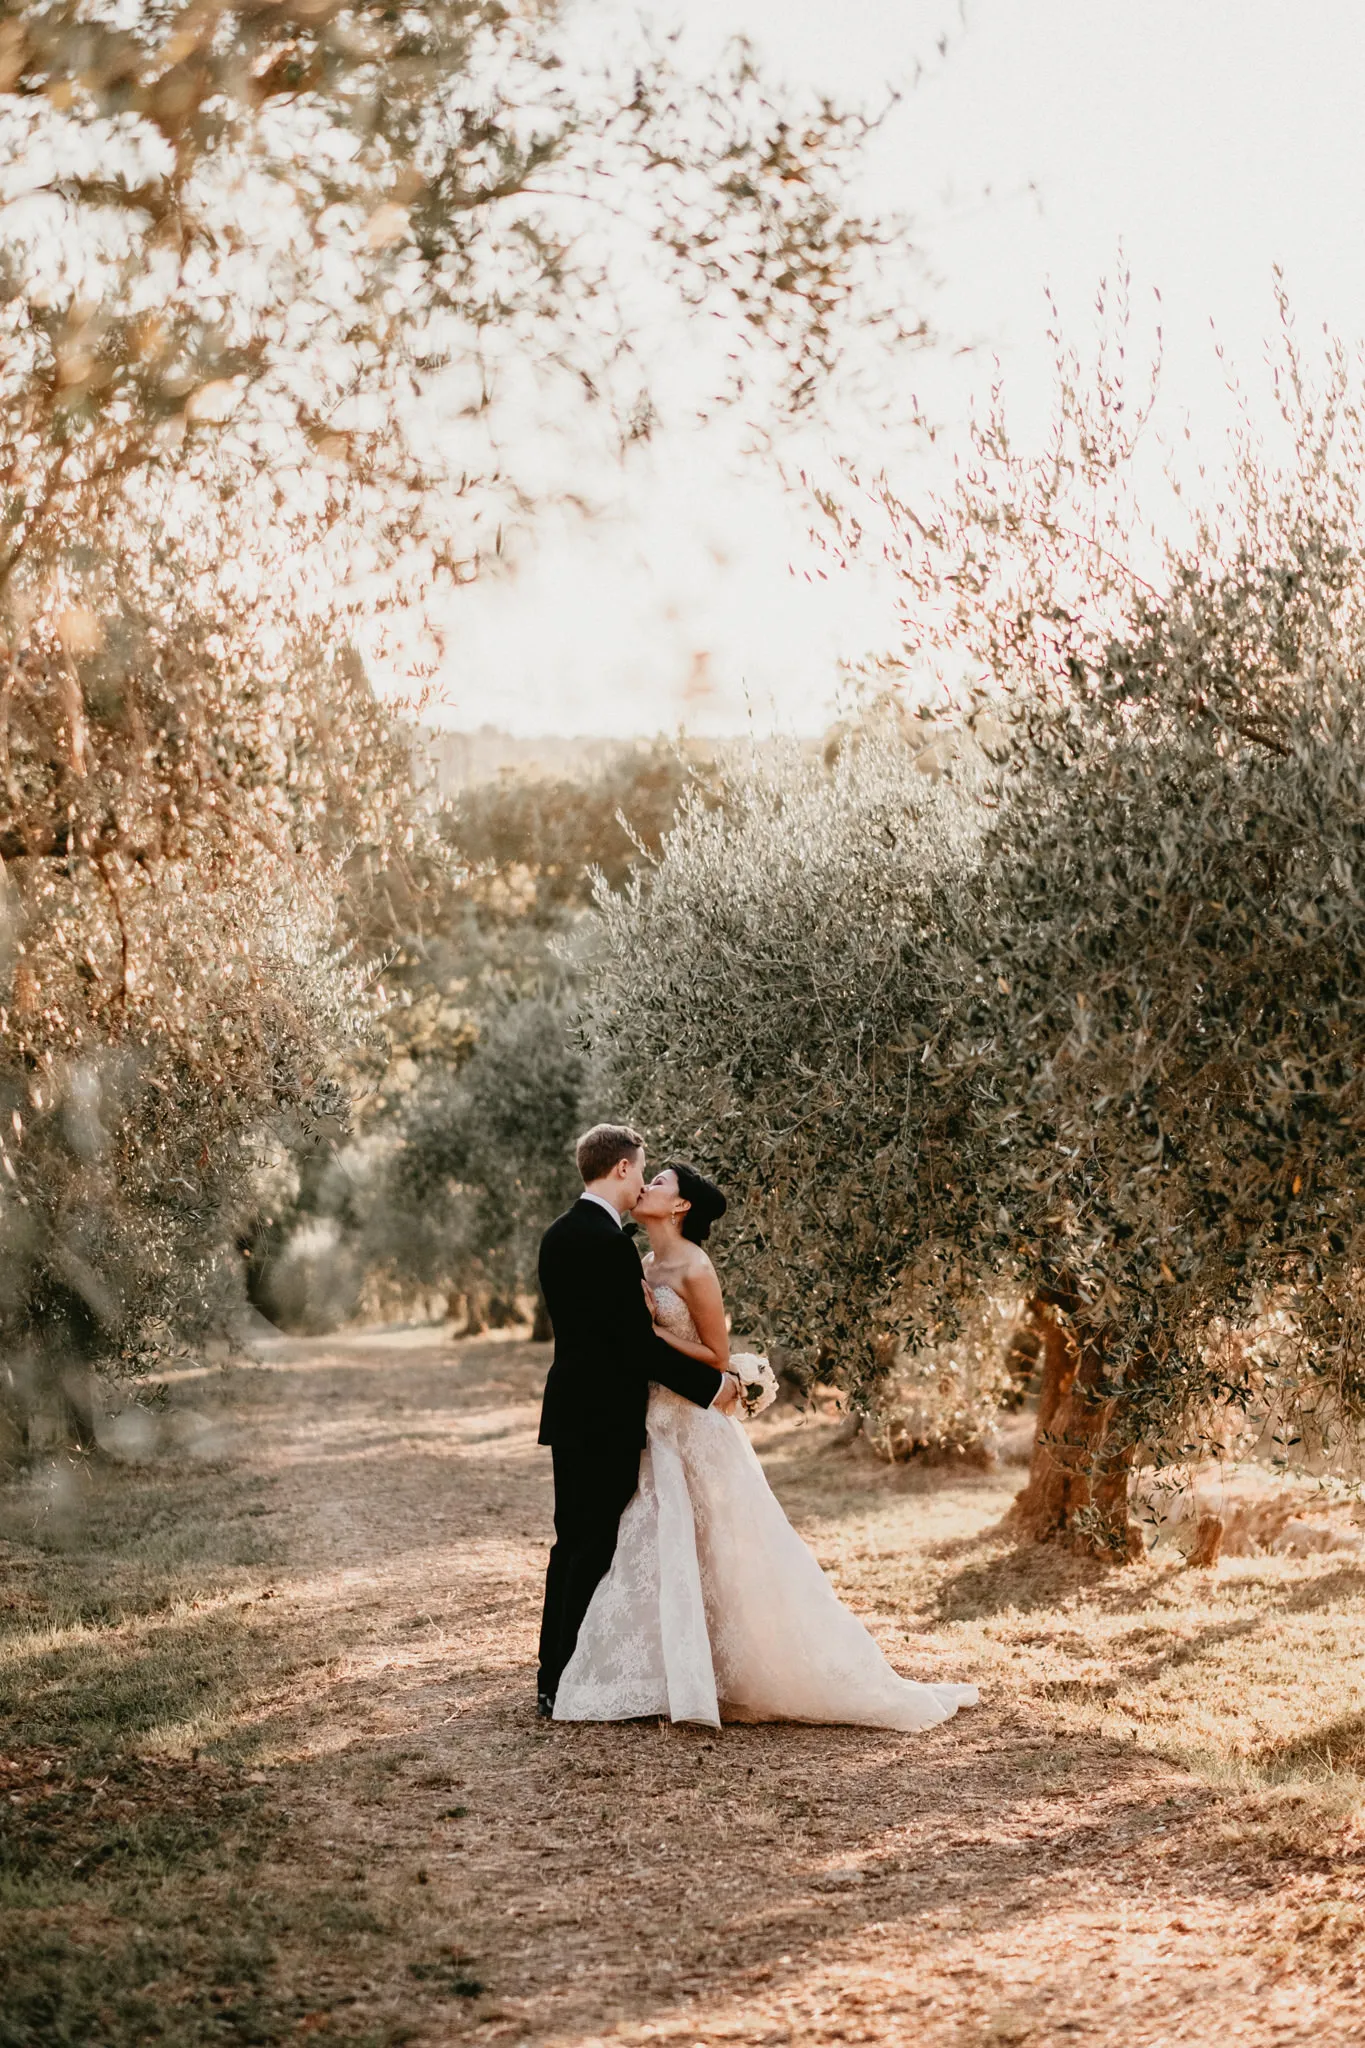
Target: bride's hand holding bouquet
<point>754,1376</point>
<point>757,1382</point>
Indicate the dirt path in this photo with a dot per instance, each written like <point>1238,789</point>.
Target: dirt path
<point>1038,1871</point>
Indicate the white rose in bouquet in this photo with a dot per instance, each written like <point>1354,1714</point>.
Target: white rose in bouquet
<point>757,1383</point>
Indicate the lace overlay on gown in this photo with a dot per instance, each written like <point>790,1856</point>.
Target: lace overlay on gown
<point>715,1609</point>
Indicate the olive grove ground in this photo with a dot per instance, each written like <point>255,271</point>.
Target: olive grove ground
<point>269,1771</point>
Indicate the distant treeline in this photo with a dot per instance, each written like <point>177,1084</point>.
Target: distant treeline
<point>466,1103</point>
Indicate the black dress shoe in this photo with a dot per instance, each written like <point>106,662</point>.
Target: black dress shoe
<point>545,1706</point>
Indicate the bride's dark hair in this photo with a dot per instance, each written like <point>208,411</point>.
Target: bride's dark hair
<point>708,1203</point>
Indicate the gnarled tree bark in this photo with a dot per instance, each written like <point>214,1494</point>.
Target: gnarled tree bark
<point>1077,1491</point>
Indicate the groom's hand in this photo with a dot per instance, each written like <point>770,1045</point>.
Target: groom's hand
<point>727,1400</point>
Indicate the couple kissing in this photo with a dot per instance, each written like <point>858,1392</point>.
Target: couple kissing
<point>676,1586</point>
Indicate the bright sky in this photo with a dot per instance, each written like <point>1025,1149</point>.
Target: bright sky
<point>1211,141</point>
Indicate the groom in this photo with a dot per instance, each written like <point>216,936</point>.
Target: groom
<point>606,1354</point>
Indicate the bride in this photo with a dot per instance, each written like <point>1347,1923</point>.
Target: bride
<point>713,1608</point>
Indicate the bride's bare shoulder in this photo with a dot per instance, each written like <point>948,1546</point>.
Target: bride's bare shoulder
<point>698,1264</point>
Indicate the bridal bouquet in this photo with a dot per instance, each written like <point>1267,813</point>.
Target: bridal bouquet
<point>757,1382</point>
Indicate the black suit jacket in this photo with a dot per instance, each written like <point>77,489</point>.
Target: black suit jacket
<point>606,1351</point>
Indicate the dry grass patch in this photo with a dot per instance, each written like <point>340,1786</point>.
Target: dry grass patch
<point>273,1772</point>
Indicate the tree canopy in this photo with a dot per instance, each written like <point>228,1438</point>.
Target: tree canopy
<point>1096,1036</point>
<point>265,272</point>
<point>767,999</point>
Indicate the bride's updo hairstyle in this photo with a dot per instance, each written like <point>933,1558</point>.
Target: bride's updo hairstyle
<point>707,1202</point>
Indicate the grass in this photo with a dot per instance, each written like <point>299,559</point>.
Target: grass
<point>269,1771</point>
<point>140,1857</point>
<point>1252,1675</point>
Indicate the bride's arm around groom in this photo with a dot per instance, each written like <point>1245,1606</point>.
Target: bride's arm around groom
<point>607,1351</point>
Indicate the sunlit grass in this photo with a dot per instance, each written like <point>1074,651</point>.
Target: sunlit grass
<point>1250,1677</point>
<point>211,1817</point>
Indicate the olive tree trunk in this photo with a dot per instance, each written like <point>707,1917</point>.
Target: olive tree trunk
<point>1077,1491</point>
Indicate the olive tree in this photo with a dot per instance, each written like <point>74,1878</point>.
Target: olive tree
<point>769,998</point>
<point>1163,1039</point>
<point>468,1090</point>
<point>482,1144</point>
<point>486,1159</point>
<point>1086,1027</point>
<point>182,801</point>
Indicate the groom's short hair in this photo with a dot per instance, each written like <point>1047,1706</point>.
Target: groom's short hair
<point>598,1150</point>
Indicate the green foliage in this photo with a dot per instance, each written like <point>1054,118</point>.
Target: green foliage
<point>529,846</point>
<point>477,1139</point>
<point>1086,1018</point>
<point>485,1154</point>
<point>267,272</point>
<point>1168,1031</point>
<point>768,1001</point>
<point>550,834</point>
<point>473,1087</point>
<point>1164,1033</point>
<point>175,969</point>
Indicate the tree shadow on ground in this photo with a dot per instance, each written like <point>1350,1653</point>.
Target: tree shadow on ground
<point>1338,1745</point>
<point>1029,1576</point>
<point>477,1372</point>
<point>963,1821</point>
<point>1145,1671</point>
<point>161,1675</point>
<point>824,1475</point>
<point>1004,1574</point>
<point>1329,1589</point>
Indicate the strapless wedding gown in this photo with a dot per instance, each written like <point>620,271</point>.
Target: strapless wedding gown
<point>714,1609</point>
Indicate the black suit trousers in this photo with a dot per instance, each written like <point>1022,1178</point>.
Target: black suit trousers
<point>593,1483</point>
